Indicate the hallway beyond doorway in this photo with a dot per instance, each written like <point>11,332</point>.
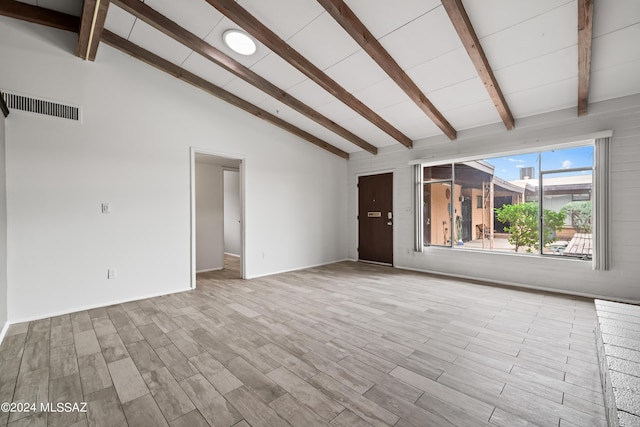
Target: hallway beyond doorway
<point>231,270</point>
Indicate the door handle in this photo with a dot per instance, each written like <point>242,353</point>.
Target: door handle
<point>389,222</point>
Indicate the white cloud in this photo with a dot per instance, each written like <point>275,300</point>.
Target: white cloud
<point>516,160</point>
<point>520,166</point>
<point>567,164</point>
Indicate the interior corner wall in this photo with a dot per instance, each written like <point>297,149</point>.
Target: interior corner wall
<point>209,217</point>
<point>3,231</point>
<point>132,149</point>
<point>621,116</point>
<point>232,213</point>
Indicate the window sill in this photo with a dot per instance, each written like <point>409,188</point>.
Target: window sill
<point>462,249</point>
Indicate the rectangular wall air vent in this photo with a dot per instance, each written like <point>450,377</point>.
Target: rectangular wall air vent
<point>41,106</point>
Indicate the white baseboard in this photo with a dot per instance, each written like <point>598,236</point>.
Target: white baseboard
<point>517,285</point>
<point>210,269</point>
<point>297,268</point>
<point>230,254</point>
<point>138,298</point>
<point>100,305</point>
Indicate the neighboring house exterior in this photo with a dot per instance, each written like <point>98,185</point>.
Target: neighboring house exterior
<point>473,194</point>
<point>460,202</point>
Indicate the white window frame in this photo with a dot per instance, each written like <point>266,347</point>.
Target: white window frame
<point>601,236</point>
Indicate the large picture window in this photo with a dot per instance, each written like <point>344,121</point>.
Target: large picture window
<point>530,203</point>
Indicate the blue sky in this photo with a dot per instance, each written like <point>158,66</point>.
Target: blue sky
<point>508,167</point>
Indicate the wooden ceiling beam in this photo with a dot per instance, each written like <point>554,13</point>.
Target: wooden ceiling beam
<point>359,32</point>
<point>181,35</point>
<point>162,64</point>
<point>94,13</point>
<point>63,21</point>
<point>3,106</point>
<point>585,33</point>
<point>88,27</point>
<point>259,31</point>
<point>39,15</point>
<point>462,24</point>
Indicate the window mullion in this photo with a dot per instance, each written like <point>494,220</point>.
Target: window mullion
<point>452,204</point>
<point>418,207</point>
<point>540,205</point>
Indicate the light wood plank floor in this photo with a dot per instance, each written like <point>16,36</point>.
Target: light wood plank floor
<point>347,344</point>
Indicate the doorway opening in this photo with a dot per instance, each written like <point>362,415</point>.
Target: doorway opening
<point>217,216</point>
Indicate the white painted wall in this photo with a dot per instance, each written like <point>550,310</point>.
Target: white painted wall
<point>3,230</point>
<point>232,212</point>
<point>133,150</point>
<point>621,282</point>
<point>209,217</point>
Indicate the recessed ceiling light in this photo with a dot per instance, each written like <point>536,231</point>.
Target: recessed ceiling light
<point>239,42</point>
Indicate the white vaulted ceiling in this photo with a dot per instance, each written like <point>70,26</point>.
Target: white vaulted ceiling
<point>531,46</point>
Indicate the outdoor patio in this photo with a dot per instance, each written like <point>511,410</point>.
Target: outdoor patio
<point>501,244</point>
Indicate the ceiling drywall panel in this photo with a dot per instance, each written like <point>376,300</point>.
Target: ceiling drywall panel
<point>370,133</point>
<point>422,39</point>
<point>333,139</point>
<point>473,115</point>
<point>356,72</point>
<point>382,95</point>
<point>489,17</point>
<point>382,17</point>
<point>246,91</point>
<point>323,42</point>
<point>614,82</point>
<point>196,16</point>
<point>278,71</point>
<point>554,96</point>
<point>411,120</point>
<point>154,41</point>
<point>609,17</point>
<point>467,92</point>
<point>542,35</point>
<point>119,22</point>
<point>284,17</point>
<point>540,71</point>
<point>616,47</point>
<point>311,94</point>
<point>429,76</point>
<point>208,70</point>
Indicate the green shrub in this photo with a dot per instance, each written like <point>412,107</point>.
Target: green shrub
<point>580,214</point>
<point>521,222</point>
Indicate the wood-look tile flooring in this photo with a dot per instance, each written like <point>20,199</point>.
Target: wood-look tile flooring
<point>347,344</point>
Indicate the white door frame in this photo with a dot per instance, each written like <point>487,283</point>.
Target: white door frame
<point>192,171</point>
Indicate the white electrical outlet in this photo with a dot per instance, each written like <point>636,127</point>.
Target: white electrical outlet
<point>112,273</point>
